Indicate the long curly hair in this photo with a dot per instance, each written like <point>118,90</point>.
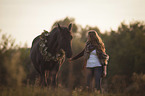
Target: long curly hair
<point>95,39</point>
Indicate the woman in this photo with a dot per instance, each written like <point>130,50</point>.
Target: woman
<point>95,59</point>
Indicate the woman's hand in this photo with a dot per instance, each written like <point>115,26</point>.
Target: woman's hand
<point>104,71</point>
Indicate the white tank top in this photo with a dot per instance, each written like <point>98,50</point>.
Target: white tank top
<point>93,61</point>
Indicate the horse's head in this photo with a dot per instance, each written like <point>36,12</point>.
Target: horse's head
<point>65,39</point>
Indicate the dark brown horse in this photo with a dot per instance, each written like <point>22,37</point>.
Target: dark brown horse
<point>48,51</point>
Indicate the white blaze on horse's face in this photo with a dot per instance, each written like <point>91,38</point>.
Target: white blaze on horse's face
<point>66,39</point>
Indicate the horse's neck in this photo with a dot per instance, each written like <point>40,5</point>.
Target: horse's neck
<point>54,47</point>
<point>53,44</point>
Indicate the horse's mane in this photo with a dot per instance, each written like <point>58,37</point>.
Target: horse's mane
<point>53,40</point>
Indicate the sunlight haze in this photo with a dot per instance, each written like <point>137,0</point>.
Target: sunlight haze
<point>25,19</point>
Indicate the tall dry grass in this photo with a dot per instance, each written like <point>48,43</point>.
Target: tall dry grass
<point>15,73</point>
<point>47,91</point>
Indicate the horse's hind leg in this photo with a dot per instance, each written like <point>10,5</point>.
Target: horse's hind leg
<point>42,79</point>
<point>42,74</point>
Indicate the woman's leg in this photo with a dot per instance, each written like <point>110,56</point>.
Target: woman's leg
<point>98,73</point>
<point>89,76</point>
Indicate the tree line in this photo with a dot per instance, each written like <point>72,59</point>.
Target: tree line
<point>125,46</point>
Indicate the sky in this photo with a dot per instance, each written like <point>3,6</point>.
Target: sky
<point>25,19</point>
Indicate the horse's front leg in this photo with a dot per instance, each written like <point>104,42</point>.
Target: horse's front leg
<point>53,78</point>
<point>47,75</point>
<point>56,79</point>
<point>57,76</point>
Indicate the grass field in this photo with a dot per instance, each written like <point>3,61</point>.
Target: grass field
<point>38,91</point>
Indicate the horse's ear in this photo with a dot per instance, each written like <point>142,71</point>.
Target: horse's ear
<point>59,26</point>
<point>70,26</point>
